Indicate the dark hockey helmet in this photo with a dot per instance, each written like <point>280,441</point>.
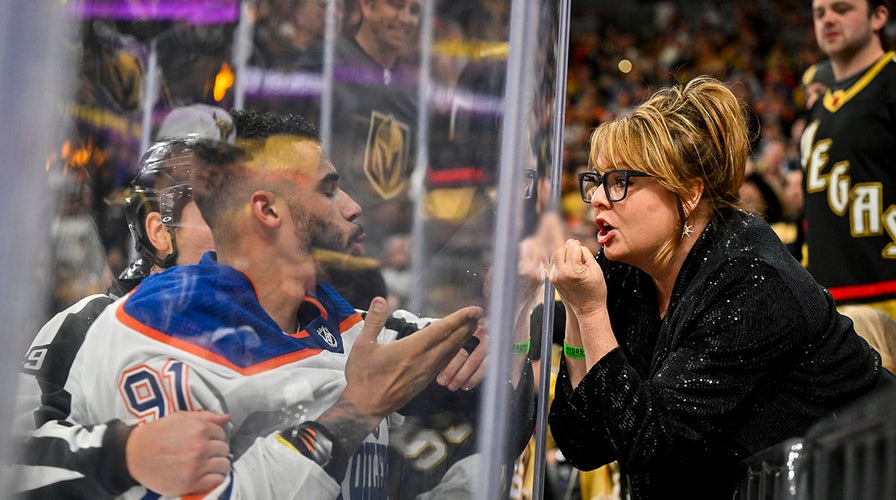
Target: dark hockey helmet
<point>161,185</point>
<point>162,182</point>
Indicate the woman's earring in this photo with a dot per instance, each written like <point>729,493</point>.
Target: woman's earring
<point>686,230</point>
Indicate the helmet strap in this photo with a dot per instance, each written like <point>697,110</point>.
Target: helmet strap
<point>171,258</point>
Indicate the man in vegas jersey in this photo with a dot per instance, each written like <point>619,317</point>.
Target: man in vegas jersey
<point>848,153</point>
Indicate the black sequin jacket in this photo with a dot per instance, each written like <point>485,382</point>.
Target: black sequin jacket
<point>751,352</point>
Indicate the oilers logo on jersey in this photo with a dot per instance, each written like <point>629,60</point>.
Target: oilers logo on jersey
<point>324,333</point>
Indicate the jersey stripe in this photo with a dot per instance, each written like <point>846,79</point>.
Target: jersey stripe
<point>863,291</point>
<point>834,100</point>
<point>196,350</point>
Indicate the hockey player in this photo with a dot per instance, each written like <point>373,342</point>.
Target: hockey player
<point>307,380</point>
<point>174,454</point>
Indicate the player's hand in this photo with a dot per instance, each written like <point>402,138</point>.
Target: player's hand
<point>466,369</point>
<point>534,257</point>
<point>381,378</point>
<point>185,452</point>
<point>532,269</point>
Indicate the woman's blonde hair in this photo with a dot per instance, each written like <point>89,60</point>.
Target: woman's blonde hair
<point>682,135</point>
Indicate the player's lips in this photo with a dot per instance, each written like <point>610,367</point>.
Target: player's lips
<point>356,249</point>
<point>355,243</point>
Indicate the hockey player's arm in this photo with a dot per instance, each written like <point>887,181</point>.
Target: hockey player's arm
<point>178,454</point>
<point>59,458</point>
<point>267,469</point>
<point>380,379</point>
<point>56,457</point>
<point>309,460</point>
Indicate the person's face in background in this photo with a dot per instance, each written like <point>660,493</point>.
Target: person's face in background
<point>311,16</point>
<point>843,28</point>
<point>752,199</point>
<point>393,22</point>
<point>813,91</point>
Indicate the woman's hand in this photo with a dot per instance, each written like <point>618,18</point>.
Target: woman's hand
<point>580,282</point>
<point>578,278</point>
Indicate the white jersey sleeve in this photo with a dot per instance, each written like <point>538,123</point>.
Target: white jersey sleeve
<point>269,469</point>
<point>122,372</point>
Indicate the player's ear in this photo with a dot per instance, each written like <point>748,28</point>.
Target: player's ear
<point>266,208</point>
<point>158,234</point>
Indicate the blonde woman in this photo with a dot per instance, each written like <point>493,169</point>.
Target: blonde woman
<point>694,339</point>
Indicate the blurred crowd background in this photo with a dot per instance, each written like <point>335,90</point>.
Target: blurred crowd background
<point>619,52</point>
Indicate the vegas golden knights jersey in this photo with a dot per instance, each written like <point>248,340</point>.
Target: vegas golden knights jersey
<point>373,132</point>
<point>848,154</point>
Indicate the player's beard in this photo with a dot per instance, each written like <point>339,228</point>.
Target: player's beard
<point>327,237</point>
<point>319,234</point>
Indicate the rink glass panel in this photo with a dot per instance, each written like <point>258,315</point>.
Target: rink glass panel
<point>423,148</point>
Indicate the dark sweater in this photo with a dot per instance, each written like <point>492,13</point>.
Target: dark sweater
<point>751,352</point>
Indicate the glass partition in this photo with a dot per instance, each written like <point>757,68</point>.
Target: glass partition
<point>35,67</point>
<point>441,119</point>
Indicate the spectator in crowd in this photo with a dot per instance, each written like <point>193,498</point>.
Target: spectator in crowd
<point>814,83</point>
<point>877,328</point>
<point>397,270</point>
<point>77,252</point>
<point>694,339</point>
<point>267,211</point>
<point>847,154</point>
<point>816,80</point>
<point>305,35</point>
<point>374,113</point>
<point>758,197</point>
<point>771,165</point>
<point>272,30</point>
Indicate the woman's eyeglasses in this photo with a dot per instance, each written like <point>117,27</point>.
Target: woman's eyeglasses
<point>615,183</point>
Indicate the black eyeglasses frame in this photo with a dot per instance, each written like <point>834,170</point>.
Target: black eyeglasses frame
<point>599,180</point>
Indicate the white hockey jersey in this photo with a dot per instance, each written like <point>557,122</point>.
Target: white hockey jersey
<point>195,337</point>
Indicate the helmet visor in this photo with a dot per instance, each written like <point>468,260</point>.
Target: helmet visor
<point>172,201</point>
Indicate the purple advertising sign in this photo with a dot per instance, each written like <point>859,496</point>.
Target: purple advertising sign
<point>192,11</point>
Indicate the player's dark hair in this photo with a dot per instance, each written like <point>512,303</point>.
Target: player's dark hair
<point>218,167</point>
<point>260,125</point>
<point>221,185</point>
<point>215,152</point>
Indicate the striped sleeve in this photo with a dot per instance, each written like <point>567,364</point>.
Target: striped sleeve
<point>57,458</point>
<point>60,460</point>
